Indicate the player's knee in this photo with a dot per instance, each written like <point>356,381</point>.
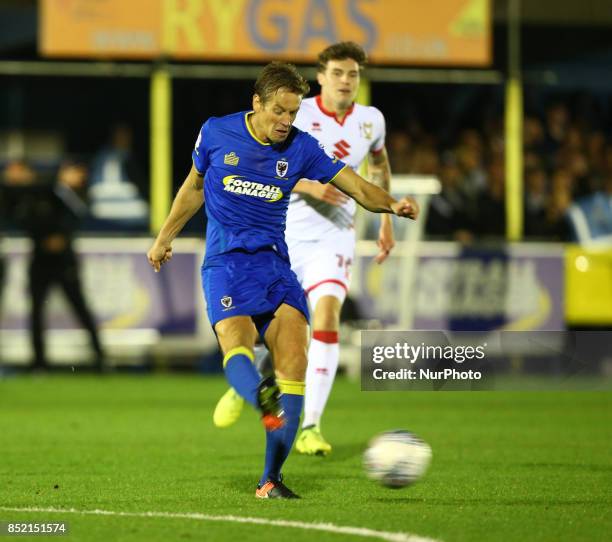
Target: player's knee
<point>326,323</point>
<point>326,315</point>
<point>235,332</point>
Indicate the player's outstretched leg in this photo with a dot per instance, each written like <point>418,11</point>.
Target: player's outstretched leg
<point>263,394</point>
<point>229,407</point>
<point>279,443</point>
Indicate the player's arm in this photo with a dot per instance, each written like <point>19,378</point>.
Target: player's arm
<point>372,197</point>
<point>324,192</point>
<point>379,173</point>
<point>187,202</point>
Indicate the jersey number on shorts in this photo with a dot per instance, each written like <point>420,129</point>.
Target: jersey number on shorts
<point>346,263</point>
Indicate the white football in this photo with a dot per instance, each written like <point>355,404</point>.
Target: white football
<point>396,458</point>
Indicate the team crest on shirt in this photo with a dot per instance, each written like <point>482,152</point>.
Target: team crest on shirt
<point>282,166</point>
<point>366,129</point>
<point>227,301</point>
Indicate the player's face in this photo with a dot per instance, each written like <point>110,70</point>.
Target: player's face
<point>274,117</point>
<point>339,82</point>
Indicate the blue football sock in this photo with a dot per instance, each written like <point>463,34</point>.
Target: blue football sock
<point>241,373</point>
<point>279,442</point>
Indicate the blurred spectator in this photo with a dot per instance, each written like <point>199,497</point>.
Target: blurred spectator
<point>425,160</point>
<point>595,151</point>
<point>591,216</point>
<point>574,139</point>
<point>491,203</point>
<point>117,185</point>
<point>18,173</point>
<point>49,213</point>
<point>471,139</point>
<point>557,120</point>
<point>400,149</point>
<point>494,136</point>
<point>558,204</point>
<point>545,207</point>
<point>474,177</point>
<point>531,160</point>
<point>447,211</point>
<point>536,202</point>
<point>473,180</point>
<point>533,134</point>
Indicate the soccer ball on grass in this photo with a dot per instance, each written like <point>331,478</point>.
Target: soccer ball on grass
<point>396,458</point>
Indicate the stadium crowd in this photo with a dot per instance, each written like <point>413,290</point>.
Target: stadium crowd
<point>567,171</point>
<point>567,176</point>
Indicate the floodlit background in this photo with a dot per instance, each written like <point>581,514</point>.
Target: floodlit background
<point>499,117</point>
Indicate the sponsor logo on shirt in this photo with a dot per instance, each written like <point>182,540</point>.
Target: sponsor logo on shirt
<point>316,127</point>
<point>238,185</point>
<point>342,149</point>
<point>231,159</point>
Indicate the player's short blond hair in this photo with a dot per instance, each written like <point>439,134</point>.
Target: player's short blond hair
<point>277,75</point>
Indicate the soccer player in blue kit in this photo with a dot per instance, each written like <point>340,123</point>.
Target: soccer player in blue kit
<point>246,165</point>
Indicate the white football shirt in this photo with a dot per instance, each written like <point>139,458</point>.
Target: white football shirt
<point>360,132</point>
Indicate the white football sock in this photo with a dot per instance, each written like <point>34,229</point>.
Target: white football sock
<point>323,356</point>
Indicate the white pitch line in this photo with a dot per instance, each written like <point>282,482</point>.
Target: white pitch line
<point>328,527</point>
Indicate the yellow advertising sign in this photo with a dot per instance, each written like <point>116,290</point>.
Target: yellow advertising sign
<point>392,31</point>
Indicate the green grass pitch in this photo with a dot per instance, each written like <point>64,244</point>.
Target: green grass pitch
<point>506,466</point>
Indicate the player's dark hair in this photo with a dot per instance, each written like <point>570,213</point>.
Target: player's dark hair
<point>277,75</point>
<point>342,51</point>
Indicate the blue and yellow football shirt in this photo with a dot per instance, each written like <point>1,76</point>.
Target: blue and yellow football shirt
<point>247,182</point>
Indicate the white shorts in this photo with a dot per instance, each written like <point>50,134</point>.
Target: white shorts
<point>324,267</point>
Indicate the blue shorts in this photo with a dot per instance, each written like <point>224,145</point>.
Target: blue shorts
<point>255,284</point>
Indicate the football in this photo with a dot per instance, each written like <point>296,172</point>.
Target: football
<point>396,458</point>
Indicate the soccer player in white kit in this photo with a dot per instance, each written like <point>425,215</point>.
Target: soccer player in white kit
<point>320,227</point>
